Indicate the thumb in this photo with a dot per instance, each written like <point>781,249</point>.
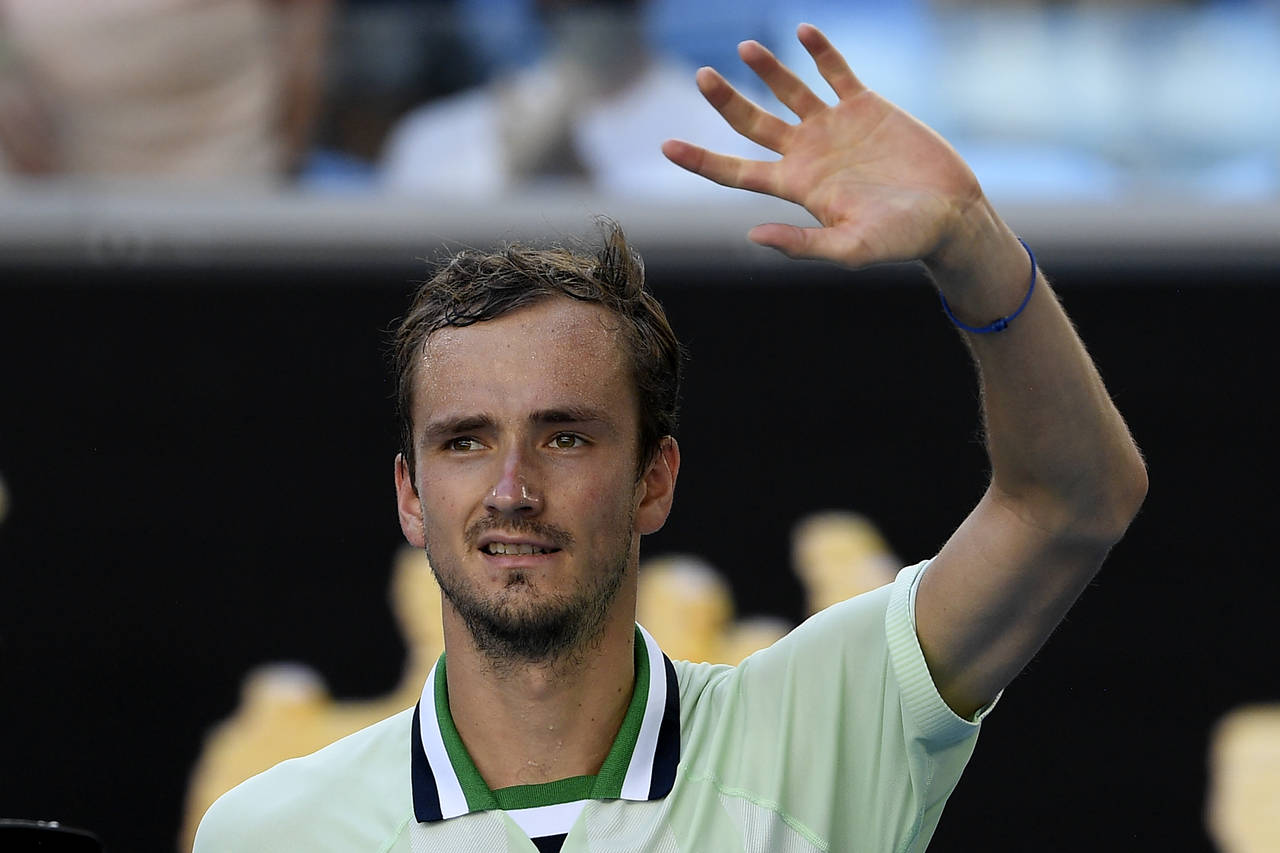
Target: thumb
<point>815,243</point>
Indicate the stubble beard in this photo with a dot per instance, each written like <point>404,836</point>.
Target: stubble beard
<point>516,627</point>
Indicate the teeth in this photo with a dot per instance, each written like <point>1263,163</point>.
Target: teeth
<point>504,548</point>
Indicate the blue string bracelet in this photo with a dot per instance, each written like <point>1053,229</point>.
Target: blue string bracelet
<point>1003,323</point>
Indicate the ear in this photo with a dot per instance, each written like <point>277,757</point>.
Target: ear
<point>408,505</point>
<point>657,487</point>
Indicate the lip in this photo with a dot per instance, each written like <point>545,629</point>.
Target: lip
<point>511,562</point>
<point>487,539</point>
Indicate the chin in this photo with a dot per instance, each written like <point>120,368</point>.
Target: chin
<point>522,624</point>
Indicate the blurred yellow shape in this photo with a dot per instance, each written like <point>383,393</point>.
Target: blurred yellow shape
<point>1243,808</point>
<point>286,711</point>
<point>747,636</point>
<point>686,605</point>
<point>838,555</point>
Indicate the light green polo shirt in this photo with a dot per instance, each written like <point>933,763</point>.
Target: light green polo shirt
<point>834,738</point>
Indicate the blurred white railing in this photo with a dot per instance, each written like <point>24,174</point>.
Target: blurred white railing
<point>69,227</point>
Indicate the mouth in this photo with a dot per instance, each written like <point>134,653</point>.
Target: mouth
<point>516,549</point>
<point>521,544</point>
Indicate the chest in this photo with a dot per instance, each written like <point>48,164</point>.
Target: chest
<point>695,818</point>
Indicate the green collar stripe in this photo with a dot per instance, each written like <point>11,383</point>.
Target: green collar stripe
<point>545,794</point>
<point>614,770</point>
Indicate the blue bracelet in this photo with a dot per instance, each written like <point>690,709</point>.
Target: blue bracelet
<point>1003,323</point>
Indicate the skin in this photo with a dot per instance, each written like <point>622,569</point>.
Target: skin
<point>1067,478</point>
<point>527,431</point>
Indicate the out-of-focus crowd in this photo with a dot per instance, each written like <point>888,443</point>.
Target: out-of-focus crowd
<point>476,98</point>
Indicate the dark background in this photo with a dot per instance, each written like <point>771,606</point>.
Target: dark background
<point>200,469</point>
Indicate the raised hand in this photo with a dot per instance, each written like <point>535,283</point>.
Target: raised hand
<point>883,185</point>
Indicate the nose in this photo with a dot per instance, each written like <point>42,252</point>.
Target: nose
<point>514,493</point>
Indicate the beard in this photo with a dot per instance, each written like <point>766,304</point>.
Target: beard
<point>521,625</point>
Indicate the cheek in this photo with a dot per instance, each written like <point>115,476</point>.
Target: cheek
<point>610,503</point>
<point>442,499</point>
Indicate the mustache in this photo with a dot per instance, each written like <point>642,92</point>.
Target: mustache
<point>557,536</point>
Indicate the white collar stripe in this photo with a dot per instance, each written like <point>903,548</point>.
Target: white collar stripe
<point>547,820</point>
<point>452,801</point>
<point>640,771</point>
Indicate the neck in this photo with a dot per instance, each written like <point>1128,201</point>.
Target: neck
<point>528,723</point>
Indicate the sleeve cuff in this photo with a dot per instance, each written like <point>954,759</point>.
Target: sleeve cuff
<point>934,719</point>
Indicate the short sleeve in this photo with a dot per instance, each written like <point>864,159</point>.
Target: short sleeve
<point>837,728</point>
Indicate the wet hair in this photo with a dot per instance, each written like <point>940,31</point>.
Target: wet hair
<point>473,286</point>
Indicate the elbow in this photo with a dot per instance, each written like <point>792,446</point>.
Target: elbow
<point>1133,493</point>
<point>1113,507</point>
<point>1138,484</point>
<point>1092,510</point>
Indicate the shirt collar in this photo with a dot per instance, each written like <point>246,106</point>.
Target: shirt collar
<point>641,765</point>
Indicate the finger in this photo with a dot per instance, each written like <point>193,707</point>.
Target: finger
<point>784,84</point>
<point>830,62</point>
<point>814,243</point>
<point>737,172</point>
<point>756,124</point>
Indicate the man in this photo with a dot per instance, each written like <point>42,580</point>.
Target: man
<point>539,391</point>
<point>186,90</point>
<point>592,111</point>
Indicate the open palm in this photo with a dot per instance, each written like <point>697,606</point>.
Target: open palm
<point>883,185</point>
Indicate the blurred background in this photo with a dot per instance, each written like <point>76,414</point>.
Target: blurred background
<point>212,211</point>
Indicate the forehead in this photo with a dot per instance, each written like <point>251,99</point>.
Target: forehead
<point>555,352</point>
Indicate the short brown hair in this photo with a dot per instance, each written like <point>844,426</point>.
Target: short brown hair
<point>473,286</point>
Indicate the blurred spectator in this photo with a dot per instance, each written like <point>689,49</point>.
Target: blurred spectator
<point>386,57</point>
<point>592,112</point>
<point>506,35</point>
<point>188,89</point>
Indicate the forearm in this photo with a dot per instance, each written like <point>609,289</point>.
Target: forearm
<point>1066,477</point>
<point>1061,455</point>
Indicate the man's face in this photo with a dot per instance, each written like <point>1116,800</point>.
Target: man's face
<point>527,502</point>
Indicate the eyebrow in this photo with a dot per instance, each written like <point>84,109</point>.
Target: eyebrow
<point>453,426</point>
<point>569,415</point>
<point>483,422</point>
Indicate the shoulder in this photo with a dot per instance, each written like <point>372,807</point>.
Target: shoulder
<point>861,653</point>
<point>838,724</point>
<point>844,646</point>
<point>353,794</point>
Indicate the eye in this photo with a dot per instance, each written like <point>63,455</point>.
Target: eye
<point>567,441</point>
<point>463,444</point>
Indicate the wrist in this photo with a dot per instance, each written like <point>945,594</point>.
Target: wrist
<point>1000,323</point>
<point>976,236</point>
<point>982,269</point>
